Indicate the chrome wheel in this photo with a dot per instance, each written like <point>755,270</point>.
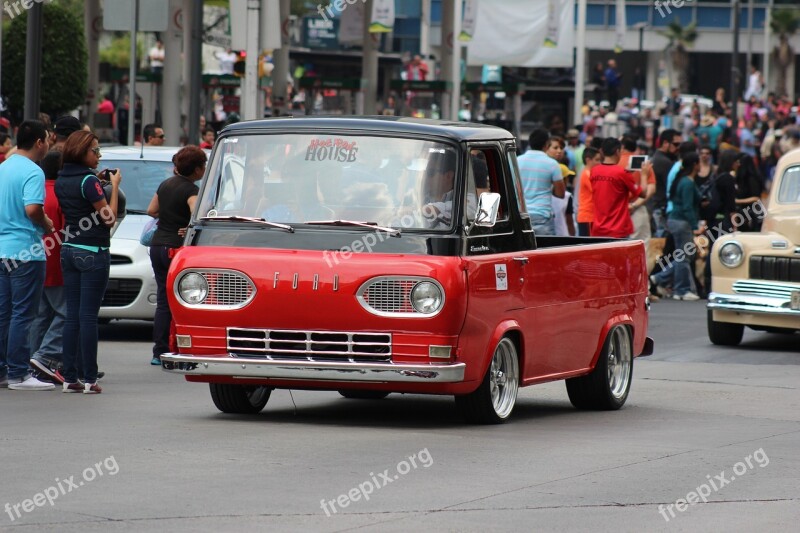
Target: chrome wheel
<point>504,378</point>
<point>619,363</point>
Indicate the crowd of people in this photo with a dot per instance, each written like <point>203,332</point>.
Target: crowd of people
<point>57,212</point>
<point>705,175</point>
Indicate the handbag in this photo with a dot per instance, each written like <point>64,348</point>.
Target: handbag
<point>146,238</point>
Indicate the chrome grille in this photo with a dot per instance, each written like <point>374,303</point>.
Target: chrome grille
<point>310,345</point>
<point>390,295</point>
<point>775,268</point>
<point>763,288</point>
<point>227,288</point>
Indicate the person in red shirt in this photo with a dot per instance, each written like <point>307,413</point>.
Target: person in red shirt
<point>612,186</point>
<point>208,139</point>
<point>591,158</point>
<point>47,327</point>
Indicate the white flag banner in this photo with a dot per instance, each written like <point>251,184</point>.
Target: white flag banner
<point>510,33</point>
<point>551,36</point>
<point>382,20</point>
<point>351,25</point>
<point>468,20</point>
<point>621,28</point>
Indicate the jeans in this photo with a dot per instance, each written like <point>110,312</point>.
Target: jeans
<point>21,284</point>
<point>160,259</point>
<point>47,328</point>
<point>680,271</point>
<point>85,281</point>
<point>543,225</point>
<point>660,221</point>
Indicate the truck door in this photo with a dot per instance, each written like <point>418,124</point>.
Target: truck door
<point>493,255</point>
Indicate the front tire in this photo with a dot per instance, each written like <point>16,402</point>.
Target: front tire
<point>493,401</point>
<point>724,333</point>
<point>239,399</point>
<point>606,387</point>
<point>364,394</point>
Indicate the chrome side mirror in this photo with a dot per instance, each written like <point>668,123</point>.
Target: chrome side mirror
<point>488,207</point>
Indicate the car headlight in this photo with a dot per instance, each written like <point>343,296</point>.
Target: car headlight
<point>731,254</point>
<point>427,298</point>
<point>193,288</point>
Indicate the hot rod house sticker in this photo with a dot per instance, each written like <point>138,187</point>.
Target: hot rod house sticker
<point>501,277</point>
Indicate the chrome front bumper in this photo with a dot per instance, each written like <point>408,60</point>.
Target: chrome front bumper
<point>746,303</point>
<point>249,368</point>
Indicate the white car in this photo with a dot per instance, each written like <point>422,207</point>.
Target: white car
<point>131,291</point>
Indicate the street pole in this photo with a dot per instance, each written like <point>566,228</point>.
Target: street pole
<point>425,30</point>
<point>749,35</point>
<point>195,81</point>
<point>132,75</point>
<point>90,16</point>
<point>369,67</point>
<point>250,105</point>
<point>33,62</point>
<point>735,67</point>
<point>767,43</point>
<point>580,63</point>
<point>171,78</point>
<point>280,58</point>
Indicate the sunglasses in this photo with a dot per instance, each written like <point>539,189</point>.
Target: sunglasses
<point>96,150</point>
<point>160,136</point>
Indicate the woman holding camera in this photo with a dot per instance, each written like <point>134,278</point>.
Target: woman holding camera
<point>89,217</point>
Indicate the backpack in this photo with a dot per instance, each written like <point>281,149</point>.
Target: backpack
<point>709,192</point>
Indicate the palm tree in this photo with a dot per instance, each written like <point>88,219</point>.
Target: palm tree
<point>680,38</point>
<point>785,22</point>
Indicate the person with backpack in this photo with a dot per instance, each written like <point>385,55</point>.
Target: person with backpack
<point>682,224</point>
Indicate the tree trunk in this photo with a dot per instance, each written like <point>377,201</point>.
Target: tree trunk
<point>680,64</point>
<point>783,55</point>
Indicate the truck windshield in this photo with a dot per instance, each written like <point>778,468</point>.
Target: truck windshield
<point>296,179</point>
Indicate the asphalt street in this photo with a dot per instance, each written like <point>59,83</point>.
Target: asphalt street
<point>719,427</point>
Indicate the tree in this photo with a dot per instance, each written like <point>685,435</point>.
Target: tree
<point>64,58</point>
<point>785,22</point>
<point>680,38</point>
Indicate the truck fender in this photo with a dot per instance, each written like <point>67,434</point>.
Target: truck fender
<point>621,319</point>
<point>501,330</point>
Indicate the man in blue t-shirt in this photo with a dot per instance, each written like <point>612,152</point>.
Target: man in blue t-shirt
<point>541,180</point>
<point>22,255</point>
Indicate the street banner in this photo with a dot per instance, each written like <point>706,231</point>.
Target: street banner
<point>382,20</point>
<point>619,34</point>
<point>551,36</point>
<point>468,21</point>
<point>511,33</point>
<point>351,25</point>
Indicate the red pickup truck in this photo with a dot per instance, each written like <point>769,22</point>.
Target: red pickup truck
<point>378,255</point>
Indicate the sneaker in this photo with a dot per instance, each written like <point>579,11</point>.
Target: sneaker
<point>92,388</point>
<point>663,292</point>
<point>654,280</point>
<point>689,297</point>
<point>46,371</point>
<point>31,383</point>
<point>155,361</point>
<point>72,387</point>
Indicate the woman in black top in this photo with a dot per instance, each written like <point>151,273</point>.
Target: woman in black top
<point>172,205</point>
<point>726,189</point>
<point>89,217</point>
<point>749,186</point>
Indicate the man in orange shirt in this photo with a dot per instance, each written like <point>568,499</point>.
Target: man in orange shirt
<point>585,217</point>
<point>636,204</point>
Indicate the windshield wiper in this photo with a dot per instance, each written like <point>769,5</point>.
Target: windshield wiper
<point>235,218</point>
<point>372,225</point>
<point>135,212</point>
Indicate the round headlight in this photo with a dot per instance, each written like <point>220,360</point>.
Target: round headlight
<point>731,254</point>
<point>193,288</point>
<point>427,298</point>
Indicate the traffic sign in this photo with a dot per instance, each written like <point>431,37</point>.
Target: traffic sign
<point>153,15</point>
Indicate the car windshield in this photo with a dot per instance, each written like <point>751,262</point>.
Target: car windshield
<point>789,192</point>
<point>140,179</point>
<point>295,179</point>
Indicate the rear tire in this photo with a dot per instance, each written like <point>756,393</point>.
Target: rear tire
<point>724,333</point>
<point>364,394</point>
<point>239,399</point>
<point>493,401</point>
<point>607,387</point>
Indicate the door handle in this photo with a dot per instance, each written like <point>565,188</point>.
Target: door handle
<point>521,260</point>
